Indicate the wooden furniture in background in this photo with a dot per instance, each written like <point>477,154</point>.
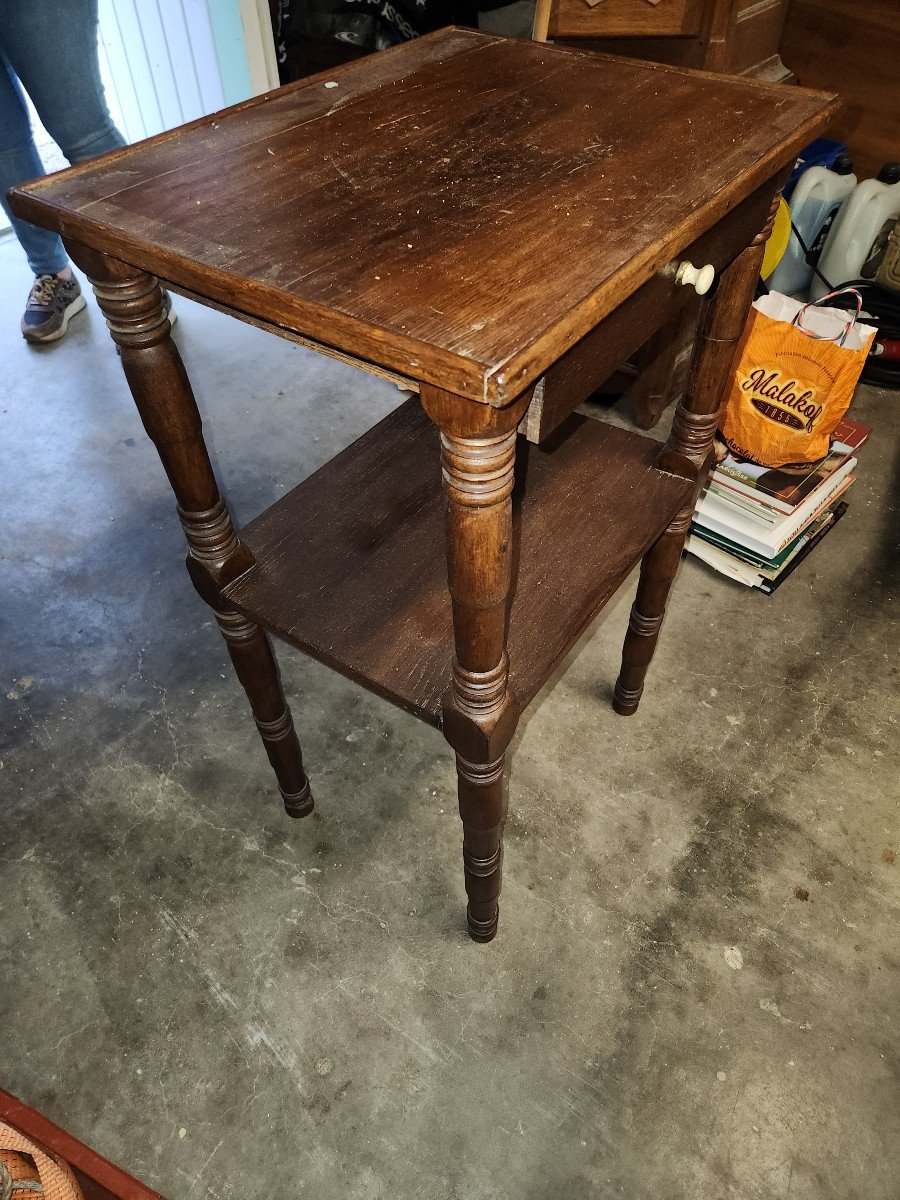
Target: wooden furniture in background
<point>500,246</point>
<point>741,37</point>
<point>98,1178</point>
<point>855,47</point>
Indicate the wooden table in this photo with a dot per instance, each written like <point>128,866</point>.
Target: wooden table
<point>498,225</point>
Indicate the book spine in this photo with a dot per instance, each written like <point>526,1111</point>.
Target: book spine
<point>767,587</point>
<point>722,562</point>
<point>735,482</point>
<point>771,549</point>
<point>731,524</point>
<point>754,509</point>
<point>839,484</point>
<point>757,561</point>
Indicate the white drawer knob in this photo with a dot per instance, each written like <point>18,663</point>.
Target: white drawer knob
<point>700,278</point>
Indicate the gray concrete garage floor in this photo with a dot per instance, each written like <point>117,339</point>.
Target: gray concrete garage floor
<point>233,1004</point>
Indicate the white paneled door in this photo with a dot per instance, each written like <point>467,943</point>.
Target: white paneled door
<point>165,62</point>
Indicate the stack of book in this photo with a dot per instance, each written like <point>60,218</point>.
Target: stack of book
<point>756,524</point>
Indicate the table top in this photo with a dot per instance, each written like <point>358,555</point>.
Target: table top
<point>460,209</point>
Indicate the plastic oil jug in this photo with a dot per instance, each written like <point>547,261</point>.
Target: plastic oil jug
<point>820,153</point>
<point>814,204</point>
<point>874,205</point>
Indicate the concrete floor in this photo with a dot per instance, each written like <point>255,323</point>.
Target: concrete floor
<point>233,1004</point>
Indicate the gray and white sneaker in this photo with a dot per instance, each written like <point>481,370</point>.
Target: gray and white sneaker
<point>52,302</point>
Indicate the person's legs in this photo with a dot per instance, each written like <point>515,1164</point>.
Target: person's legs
<point>52,48</point>
<point>20,161</point>
<point>55,296</point>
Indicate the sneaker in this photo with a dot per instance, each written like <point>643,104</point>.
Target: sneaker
<point>51,303</point>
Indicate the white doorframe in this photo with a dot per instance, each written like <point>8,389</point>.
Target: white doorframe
<point>260,42</point>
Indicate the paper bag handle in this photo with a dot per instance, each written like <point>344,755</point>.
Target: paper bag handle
<point>852,317</point>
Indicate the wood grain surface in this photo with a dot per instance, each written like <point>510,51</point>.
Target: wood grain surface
<point>460,209</point>
<point>855,47</point>
<point>350,566</point>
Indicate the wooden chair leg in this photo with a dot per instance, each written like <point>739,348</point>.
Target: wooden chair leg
<point>688,452</point>
<point>478,446</point>
<point>131,301</point>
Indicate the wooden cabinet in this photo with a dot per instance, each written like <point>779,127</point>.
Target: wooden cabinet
<point>626,18</point>
<point>753,44</point>
<point>740,37</point>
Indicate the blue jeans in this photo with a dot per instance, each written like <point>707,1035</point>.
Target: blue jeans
<point>49,48</point>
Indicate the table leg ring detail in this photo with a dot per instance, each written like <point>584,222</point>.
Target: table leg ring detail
<point>626,700</point>
<point>481,774</point>
<point>482,867</point>
<point>274,731</point>
<point>236,628</point>
<point>210,533</point>
<point>298,804</point>
<point>481,693</point>
<point>644,626</point>
<point>482,930</point>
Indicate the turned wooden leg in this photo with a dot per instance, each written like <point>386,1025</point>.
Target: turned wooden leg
<point>482,807</point>
<point>688,452</point>
<point>256,668</point>
<point>131,301</point>
<point>645,620</point>
<point>478,447</point>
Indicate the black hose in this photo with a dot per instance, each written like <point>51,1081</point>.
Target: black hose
<point>880,307</point>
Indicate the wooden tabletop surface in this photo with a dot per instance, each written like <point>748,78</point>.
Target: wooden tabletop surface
<point>460,209</point>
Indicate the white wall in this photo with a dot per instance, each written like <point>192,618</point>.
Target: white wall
<point>159,64</point>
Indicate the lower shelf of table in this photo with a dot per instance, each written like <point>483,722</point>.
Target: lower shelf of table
<point>351,568</point>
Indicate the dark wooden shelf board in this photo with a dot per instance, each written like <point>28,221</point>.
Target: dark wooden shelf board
<point>350,565</point>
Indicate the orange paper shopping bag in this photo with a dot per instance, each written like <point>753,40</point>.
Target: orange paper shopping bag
<point>797,367</point>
